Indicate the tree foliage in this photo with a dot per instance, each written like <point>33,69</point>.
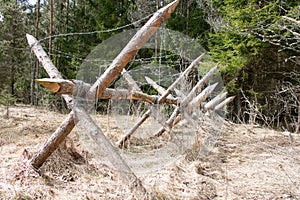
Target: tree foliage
<point>256,46</point>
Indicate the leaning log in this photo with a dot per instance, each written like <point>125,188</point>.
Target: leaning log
<point>157,87</point>
<point>68,124</point>
<point>196,102</point>
<point>47,64</point>
<point>224,103</point>
<point>53,142</point>
<point>132,84</point>
<point>215,101</point>
<point>130,50</point>
<point>108,150</point>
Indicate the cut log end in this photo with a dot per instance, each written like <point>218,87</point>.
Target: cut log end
<point>53,86</point>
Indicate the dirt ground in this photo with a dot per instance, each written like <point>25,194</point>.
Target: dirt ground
<point>247,162</point>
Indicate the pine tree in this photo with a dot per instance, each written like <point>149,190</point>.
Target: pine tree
<point>14,52</point>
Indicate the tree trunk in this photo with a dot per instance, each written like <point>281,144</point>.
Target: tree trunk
<point>34,74</point>
<point>53,142</point>
<point>50,28</point>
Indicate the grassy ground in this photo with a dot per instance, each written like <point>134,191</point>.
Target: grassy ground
<point>247,162</point>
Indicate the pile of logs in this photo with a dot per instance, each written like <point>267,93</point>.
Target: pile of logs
<point>75,90</point>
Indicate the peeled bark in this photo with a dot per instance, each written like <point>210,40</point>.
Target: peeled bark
<point>215,101</point>
<point>224,103</point>
<point>44,59</point>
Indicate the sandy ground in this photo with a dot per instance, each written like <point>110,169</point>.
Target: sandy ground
<point>247,162</point>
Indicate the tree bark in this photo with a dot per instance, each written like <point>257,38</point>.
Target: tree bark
<point>53,142</point>
<point>47,64</point>
<point>50,28</point>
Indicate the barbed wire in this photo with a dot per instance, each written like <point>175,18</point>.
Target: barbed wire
<point>95,32</point>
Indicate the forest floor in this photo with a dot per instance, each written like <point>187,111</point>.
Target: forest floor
<point>247,162</point>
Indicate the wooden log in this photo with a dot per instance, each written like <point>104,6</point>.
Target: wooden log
<point>132,84</point>
<point>198,86</point>
<point>138,40</point>
<point>54,141</point>
<point>61,86</point>
<point>185,102</point>
<point>107,79</point>
<point>215,101</point>
<point>47,64</point>
<point>68,124</point>
<point>157,87</point>
<point>58,86</point>
<point>108,150</point>
<point>224,103</point>
<point>169,123</point>
<point>115,68</point>
<point>145,116</point>
<point>202,96</point>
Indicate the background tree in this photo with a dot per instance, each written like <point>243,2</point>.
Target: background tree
<point>14,55</point>
<point>256,47</point>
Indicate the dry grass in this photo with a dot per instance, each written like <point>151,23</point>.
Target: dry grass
<point>248,162</point>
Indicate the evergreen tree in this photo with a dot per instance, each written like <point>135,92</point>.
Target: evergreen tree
<point>14,52</point>
<point>256,48</point>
